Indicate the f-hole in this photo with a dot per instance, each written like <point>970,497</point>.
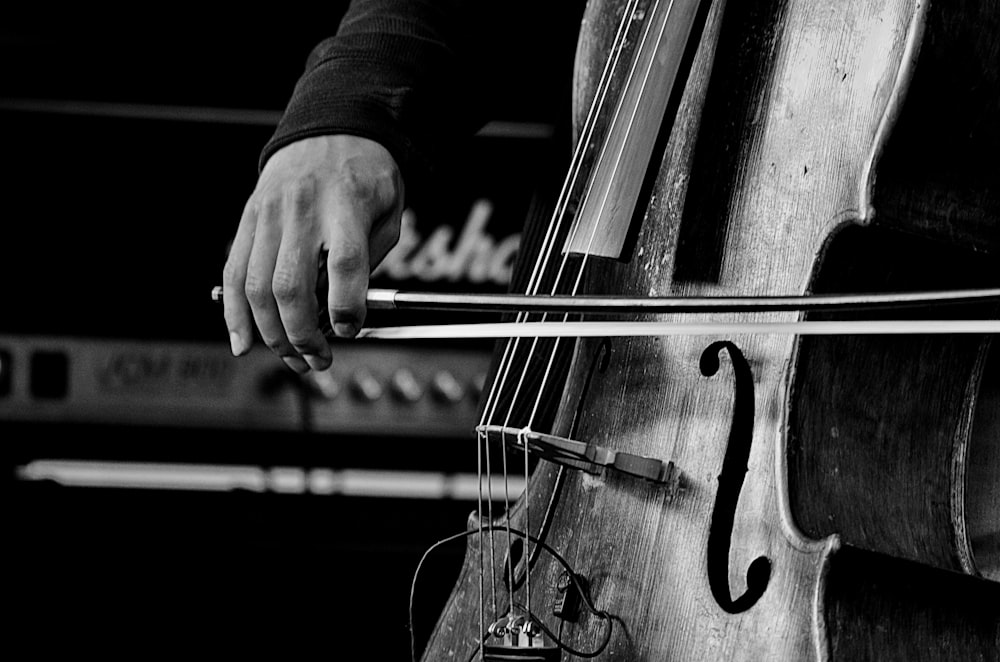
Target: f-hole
<point>734,469</point>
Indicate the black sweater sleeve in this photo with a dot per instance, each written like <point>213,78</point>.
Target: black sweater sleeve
<point>397,71</point>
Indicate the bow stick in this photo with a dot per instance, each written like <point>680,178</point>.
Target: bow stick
<point>387,299</point>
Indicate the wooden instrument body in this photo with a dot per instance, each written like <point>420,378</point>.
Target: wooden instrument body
<point>786,111</point>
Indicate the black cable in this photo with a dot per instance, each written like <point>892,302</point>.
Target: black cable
<point>413,584</point>
<point>600,613</point>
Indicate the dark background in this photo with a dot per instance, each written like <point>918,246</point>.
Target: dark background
<point>103,211</point>
<point>115,225</point>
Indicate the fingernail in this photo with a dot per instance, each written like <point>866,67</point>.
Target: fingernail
<point>296,364</point>
<point>345,330</point>
<point>236,343</point>
<point>317,362</point>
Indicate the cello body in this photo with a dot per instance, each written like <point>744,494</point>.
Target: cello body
<point>818,510</point>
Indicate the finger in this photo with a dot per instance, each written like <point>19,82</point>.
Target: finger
<point>295,276</point>
<point>258,287</point>
<point>236,310</point>
<point>347,265</point>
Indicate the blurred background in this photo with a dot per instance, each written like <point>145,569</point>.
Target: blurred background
<point>160,494</point>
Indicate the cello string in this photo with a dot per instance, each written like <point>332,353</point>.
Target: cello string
<point>506,502</point>
<point>552,232</point>
<point>484,444</point>
<point>616,163</point>
<point>559,213</point>
<point>615,120</point>
<point>565,258</point>
<point>527,527</point>
<point>479,510</point>
<point>610,66</point>
<point>615,56</point>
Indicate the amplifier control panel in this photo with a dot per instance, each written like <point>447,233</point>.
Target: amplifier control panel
<point>374,388</point>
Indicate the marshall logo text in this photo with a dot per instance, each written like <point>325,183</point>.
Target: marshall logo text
<point>475,256</point>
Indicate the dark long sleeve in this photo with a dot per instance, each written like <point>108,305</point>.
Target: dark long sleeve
<point>395,72</point>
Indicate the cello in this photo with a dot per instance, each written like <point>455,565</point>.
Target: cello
<point>753,496</point>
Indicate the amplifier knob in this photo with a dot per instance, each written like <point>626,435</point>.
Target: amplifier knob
<point>325,384</point>
<point>446,387</point>
<point>404,386</point>
<point>366,386</point>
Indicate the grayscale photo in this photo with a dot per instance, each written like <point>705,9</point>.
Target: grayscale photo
<point>452,331</point>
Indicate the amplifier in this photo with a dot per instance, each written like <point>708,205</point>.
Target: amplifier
<point>372,389</point>
<point>108,315</point>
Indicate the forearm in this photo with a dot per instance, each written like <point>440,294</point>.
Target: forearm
<point>393,73</point>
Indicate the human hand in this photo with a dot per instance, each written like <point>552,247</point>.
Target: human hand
<point>334,196</point>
